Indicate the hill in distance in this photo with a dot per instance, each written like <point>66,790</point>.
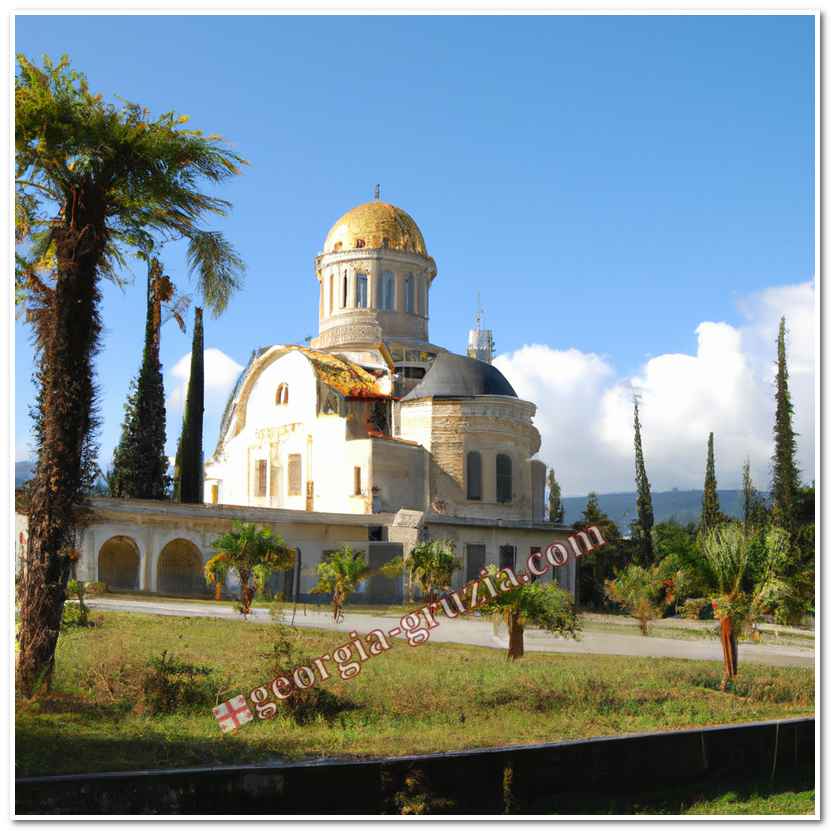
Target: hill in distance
<point>682,506</point>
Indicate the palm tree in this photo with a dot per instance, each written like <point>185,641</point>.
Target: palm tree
<point>431,564</point>
<point>343,571</point>
<point>92,182</point>
<point>254,554</point>
<point>740,591</point>
<point>519,604</point>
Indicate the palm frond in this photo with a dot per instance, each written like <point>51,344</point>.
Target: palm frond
<point>218,267</point>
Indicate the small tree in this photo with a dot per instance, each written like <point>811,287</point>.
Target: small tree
<point>253,553</point>
<point>431,564</point>
<point>556,511</point>
<point>343,571</point>
<point>520,604</point>
<point>643,591</point>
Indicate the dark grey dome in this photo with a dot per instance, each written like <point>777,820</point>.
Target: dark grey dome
<point>455,376</point>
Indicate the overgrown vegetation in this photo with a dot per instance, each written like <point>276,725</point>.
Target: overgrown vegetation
<point>410,700</point>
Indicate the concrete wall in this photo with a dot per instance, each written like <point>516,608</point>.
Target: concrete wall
<point>537,779</point>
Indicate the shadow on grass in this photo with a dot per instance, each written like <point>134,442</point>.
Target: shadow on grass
<point>790,792</point>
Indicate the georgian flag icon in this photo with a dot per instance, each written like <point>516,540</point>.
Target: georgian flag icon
<point>232,714</point>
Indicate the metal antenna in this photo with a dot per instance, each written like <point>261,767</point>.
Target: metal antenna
<point>479,312</point>
<point>377,191</point>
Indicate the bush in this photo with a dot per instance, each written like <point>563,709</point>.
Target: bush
<point>303,705</point>
<point>696,608</point>
<point>75,616</point>
<point>173,684</point>
<point>641,591</point>
<point>96,587</point>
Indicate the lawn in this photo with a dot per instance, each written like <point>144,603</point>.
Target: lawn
<point>408,700</point>
<point>792,793</point>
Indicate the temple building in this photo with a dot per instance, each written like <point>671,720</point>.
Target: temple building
<point>371,435</point>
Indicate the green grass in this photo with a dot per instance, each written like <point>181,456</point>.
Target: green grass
<point>791,793</point>
<point>434,697</point>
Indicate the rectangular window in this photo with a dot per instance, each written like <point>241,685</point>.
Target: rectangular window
<point>475,561</point>
<point>345,289</point>
<point>409,294</point>
<point>361,291</point>
<point>507,556</point>
<point>357,491</point>
<point>262,475</point>
<point>474,475</point>
<point>387,291</point>
<point>535,549</point>
<point>504,478</point>
<point>295,474</point>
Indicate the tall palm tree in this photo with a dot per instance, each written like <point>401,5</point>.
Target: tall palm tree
<point>93,181</point>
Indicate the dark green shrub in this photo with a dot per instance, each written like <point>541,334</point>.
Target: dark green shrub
<point>172,684</point>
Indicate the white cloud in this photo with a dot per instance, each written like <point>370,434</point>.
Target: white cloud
<point>220,374</point>
<point>585,409</point>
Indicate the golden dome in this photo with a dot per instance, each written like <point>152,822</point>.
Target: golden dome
<point>375,225</point>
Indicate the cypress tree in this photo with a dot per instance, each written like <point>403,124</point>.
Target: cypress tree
<point>139,461</point>
<point>556,511</point>
<point>188,471</point>
<point>753,505</point>
<point>785,485</point>
<point>710,509</point>
<point>646,516</point>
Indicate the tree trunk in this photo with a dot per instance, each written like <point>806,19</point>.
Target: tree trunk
<point>516,640</point>
<point>730,651</point>
<point>67,339</point>
<point>218,590</point>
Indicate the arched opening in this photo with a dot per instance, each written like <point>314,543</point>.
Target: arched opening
<point>281,396</point>
<point>180,570</point>
<point>118,564</point>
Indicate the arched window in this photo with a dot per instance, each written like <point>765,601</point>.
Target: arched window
<point>359,243</point>
<point>331,293</point>
<point>474,475</point>
<point>504,478</point>
<point>361,291</point>
<point>338,246</point>
<point>345,289</point>
<point>282,394</point>
<point>387,299</point>
<point>409,294</point>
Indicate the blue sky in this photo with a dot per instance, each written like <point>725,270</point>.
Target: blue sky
<point>606,183</point>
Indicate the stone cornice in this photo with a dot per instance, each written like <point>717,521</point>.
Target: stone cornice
<point>118,510</point>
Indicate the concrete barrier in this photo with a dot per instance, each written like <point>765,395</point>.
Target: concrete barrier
<point>488,781</point>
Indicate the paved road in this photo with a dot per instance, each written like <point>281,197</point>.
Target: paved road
<point>481,633</point>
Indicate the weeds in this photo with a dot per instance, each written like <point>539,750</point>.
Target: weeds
<point>173,684</point>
